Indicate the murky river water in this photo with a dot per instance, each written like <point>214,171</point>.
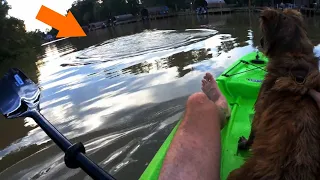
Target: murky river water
<point>121,91</point>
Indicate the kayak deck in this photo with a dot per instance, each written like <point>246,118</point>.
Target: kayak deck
<point>240,84</point>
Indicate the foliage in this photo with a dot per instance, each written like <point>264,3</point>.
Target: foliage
<point>53,32</point>
<point>90,11</point>
<point>173,4</point>
<point>150,3</point>
<point>179,4</point>
<point>14,39</point>
<point>202,3</point>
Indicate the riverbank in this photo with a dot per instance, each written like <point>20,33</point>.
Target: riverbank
<point>212,11</point>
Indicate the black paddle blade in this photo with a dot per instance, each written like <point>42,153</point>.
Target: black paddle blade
<point>18,94</point>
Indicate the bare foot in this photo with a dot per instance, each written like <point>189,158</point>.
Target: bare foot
<point>211,89</point>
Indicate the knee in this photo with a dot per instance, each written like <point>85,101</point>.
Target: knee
<point>198,99</point>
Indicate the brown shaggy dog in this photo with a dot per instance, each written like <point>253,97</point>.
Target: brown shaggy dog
<point>285,135</point>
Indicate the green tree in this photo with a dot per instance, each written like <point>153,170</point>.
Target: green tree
<point>86,18</point>
<point>14,39</point>
<point>81,8</point>
<point>89,11</point>
<point>118,7</point>
<point>173,4</point>
<point>150,3</point>
<point>133,6</point>
<point>53,32</point>
<point>198,3</point>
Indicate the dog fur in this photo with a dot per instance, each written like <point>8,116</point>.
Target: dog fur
<point>285,134</point>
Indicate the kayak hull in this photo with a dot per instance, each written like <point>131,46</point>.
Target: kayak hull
<point>240,84</point>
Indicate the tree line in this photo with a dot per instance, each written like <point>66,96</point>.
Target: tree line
<point>89,11</point>
<point>14,40</point>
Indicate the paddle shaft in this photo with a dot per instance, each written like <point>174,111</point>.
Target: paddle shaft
<point>83,161</point>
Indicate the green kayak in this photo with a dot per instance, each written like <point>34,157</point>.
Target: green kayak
<point>240,84</point>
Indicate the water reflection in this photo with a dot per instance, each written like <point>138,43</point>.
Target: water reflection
<point>180,60</point>
<point>11,130</point>
<point>121,91</point>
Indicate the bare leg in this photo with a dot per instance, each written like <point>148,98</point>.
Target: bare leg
<point>211,89</point>
<point>195,150</point>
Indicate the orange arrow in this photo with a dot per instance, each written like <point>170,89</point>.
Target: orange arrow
<point>68,26</point>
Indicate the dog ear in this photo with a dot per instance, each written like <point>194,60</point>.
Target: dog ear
<point>269,19</point>
<point>269,15</point>
<point>292,12</point>
<point>297,16</point>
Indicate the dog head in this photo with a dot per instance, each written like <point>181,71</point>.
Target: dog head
<point>283,32</point>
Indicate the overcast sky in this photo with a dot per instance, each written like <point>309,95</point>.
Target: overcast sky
<point>27,10</point>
